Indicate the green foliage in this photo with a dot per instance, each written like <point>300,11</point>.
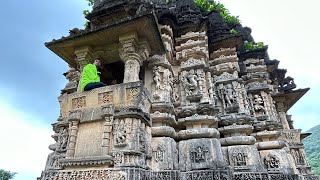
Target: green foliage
<point>90,2</point>
<point>87,12</point>
<point>207,6</point>
<point>312,147</point>
<point>6,175</point>
<point>250,46</point>
<point>204,5</point>
<point>233,31</point>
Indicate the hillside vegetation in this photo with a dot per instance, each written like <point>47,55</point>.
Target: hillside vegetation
<point>312,147</point>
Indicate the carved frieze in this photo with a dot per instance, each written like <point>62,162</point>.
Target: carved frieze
<point>272,162</point>
<point>120,133</point>
<point>132,93</point>
<point>298,156</point>
<point>226,77</point>
<point>105,98</point>
<point>79,102</point>
<point>163,84</point>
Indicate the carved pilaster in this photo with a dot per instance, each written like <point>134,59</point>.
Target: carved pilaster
<point>133,52</point>
<point>282,112</point>
<point>74,127</point>
<point>107,135</point>
<point>107,114</point>
<point>84,56</point>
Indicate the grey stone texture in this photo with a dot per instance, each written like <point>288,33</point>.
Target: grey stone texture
<point>190,103</point>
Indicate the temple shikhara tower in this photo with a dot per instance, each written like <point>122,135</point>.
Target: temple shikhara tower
<point>190,102</point>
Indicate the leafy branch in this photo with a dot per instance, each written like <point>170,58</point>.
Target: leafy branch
<point>87,12</point>
<point>207,6</point>
<point>6,175</point>
<point>250,46</point>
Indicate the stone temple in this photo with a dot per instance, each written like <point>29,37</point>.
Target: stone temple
<point>189,103</point>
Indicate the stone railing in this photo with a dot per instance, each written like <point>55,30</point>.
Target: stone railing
<point>120,96</point>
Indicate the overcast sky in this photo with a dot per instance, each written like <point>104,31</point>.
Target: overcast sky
<point>31,76</point>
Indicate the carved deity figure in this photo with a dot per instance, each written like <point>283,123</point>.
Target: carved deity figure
<point>159,154</point>
<point>272,162</point>
<point>258,104</point>
<point>156,77</point>
<point>199,154</point>
<point>168,85</point>
<point>63,139</point>
<point>121,134</point>
<point>228,95</point>
<point>131,73</point>
<point>191,83</point>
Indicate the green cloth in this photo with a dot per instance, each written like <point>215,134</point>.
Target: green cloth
<point>89,75</point>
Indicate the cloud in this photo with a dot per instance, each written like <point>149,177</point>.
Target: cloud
<point>24,143</point>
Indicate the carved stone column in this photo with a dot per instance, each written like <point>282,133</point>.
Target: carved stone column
<point>282,112</point>
<point>73,138</point>
<point>133,52</point>
<point>107,133</point>
<point>74,119</point>
<point>84,55</point>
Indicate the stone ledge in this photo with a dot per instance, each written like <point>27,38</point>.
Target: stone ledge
<point>107,160</point>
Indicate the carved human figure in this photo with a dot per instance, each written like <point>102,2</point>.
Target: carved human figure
<point>229,95</point>
<point>200,80</point>
<point>191,83</point>
<point>168,85</point>
<point>176,96</point>
<point>199,154</point>
<point>258,104</point>
<point>63,139</point>
<point>121,134</point>
<point>156,77</point>
<point>272,162</point>
<point>131,73</point>
<point>159,154</point>
<point>192,79</point>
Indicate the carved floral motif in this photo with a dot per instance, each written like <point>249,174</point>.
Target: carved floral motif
<point>105,98</point>
<point>79,102</point>
<point>132,93</point>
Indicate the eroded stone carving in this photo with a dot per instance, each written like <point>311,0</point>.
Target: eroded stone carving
<point>272,162</point>
<point>239,159</point>
<point>120,134</point>
<point>199,154</point>
<point>79,102</point>
<point>105,98</point>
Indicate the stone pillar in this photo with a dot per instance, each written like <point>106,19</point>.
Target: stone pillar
<point>133,52</point>
<point>84,55</point>
<point>282,112</point>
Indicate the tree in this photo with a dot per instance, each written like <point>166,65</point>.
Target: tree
<point>6,175</point>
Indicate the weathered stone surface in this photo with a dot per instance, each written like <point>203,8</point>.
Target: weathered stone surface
<point>245,158</point>
<point>187,100</point>
<point>196,154</point>
<point>164,154</point>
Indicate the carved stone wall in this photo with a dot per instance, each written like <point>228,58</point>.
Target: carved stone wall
<point>194,104</point>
